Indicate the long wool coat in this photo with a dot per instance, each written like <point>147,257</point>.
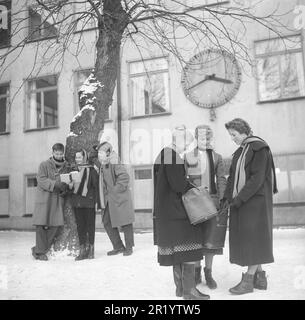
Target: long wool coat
<point>117,193</point>
<point>250,229</point>
<point>49,204</point>
<point>172,227</point>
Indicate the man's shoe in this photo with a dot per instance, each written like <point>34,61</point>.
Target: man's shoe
<point>128,252</point>
<point>245,286</point>
<point>91,251</point>
<point>260,280</point>
<point>82,253</point>
<point>115,251</point>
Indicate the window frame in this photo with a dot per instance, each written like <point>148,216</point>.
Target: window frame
<point>27,95</point>
<point>140,74</point>
<point>9,22</point>
<point>278,54</point>
<point>8,106</point>
<point>290,186</point>
<point>29,34</point>
<point>143,167</point>
<point>6,178</point>
<point>26,177</point>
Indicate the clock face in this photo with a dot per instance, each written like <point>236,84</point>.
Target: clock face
<point>211,78</point>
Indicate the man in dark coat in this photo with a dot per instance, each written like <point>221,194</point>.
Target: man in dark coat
<point>250,187</point>
<point>48,213</point>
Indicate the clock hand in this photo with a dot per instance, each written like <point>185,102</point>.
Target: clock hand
<point>221,79</point>
<point>198,83</point>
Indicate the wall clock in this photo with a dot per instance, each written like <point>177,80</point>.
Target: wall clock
<point>211,78</point>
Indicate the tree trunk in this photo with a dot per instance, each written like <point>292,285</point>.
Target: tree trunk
<point>86,127</point>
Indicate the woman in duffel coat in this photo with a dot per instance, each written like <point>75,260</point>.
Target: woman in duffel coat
<point>179,243</point>
<point>250,187</point>
<point>84,197</point>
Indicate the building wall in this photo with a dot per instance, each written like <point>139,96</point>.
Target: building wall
<point>280,124</point>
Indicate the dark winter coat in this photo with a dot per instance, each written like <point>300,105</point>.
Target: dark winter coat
<point>89,201</point>
<point>49,204</point>
<point>171,223</point>
<point>250,231</point>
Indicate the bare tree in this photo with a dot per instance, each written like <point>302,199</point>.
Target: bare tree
<point>162,23</point>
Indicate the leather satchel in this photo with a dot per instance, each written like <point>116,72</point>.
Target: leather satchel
<point>199,205</point>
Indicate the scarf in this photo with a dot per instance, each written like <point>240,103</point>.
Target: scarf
<point>81,188</point>
<point>240,173</point>
<point>101,188</point>
<point>58,163</point>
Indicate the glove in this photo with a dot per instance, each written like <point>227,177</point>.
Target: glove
<point>237,202</point>
<point>60,187</point>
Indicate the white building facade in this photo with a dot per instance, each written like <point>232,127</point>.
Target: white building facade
<point>36,111</point>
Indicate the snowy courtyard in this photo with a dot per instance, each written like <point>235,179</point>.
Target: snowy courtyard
<point>137,277</point>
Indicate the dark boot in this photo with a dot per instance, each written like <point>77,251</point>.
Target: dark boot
<point>189,290</point>
<point>260,280</point>
<point>198,278</point>
<point>245,286</point>
<point>116,251</point>
<point>177,271</point>
<point>91,251</point>
<point>211,283</point>
<point>82,253</point>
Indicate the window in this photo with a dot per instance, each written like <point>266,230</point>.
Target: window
<point>149,87</point>
<point>4,108</point>
<point>30,193</point>
<point>5,23</point>
<point>86,20</point>
<point>41,24</point>
<point>4,196</point>
<point>143,188</point>
<point>80,78</point>
<point>290,174</point>
<point>280,68</point>
<point>42,109</point>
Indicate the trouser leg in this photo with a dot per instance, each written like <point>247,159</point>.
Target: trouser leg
<point>113,233</point>
<point>44,239</point>
<point>80,217</point>
<point>128,235</point>
<point>91,225</point>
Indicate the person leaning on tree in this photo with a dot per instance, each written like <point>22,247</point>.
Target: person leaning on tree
<point>49,204</point>
<point>249,191</point>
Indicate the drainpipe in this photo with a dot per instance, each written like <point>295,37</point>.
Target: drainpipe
<point>119,107</point>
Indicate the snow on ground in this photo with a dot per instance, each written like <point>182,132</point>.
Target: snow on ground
<point>137,277</point>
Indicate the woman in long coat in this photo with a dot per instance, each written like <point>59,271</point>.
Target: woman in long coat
<point>205,168</point>
<point>179,243</point>
<point>84,197</point>
<point>250,187</point>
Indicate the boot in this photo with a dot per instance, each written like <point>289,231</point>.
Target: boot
<point>91,251</point>
<point>211,283</point>
<point>245,286</point>
<point>177,271</point>
<point>82,253</point>
<point>189,290</point>
<point>260,280</point>
<point>115,251</point>
<point>198,278</point>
